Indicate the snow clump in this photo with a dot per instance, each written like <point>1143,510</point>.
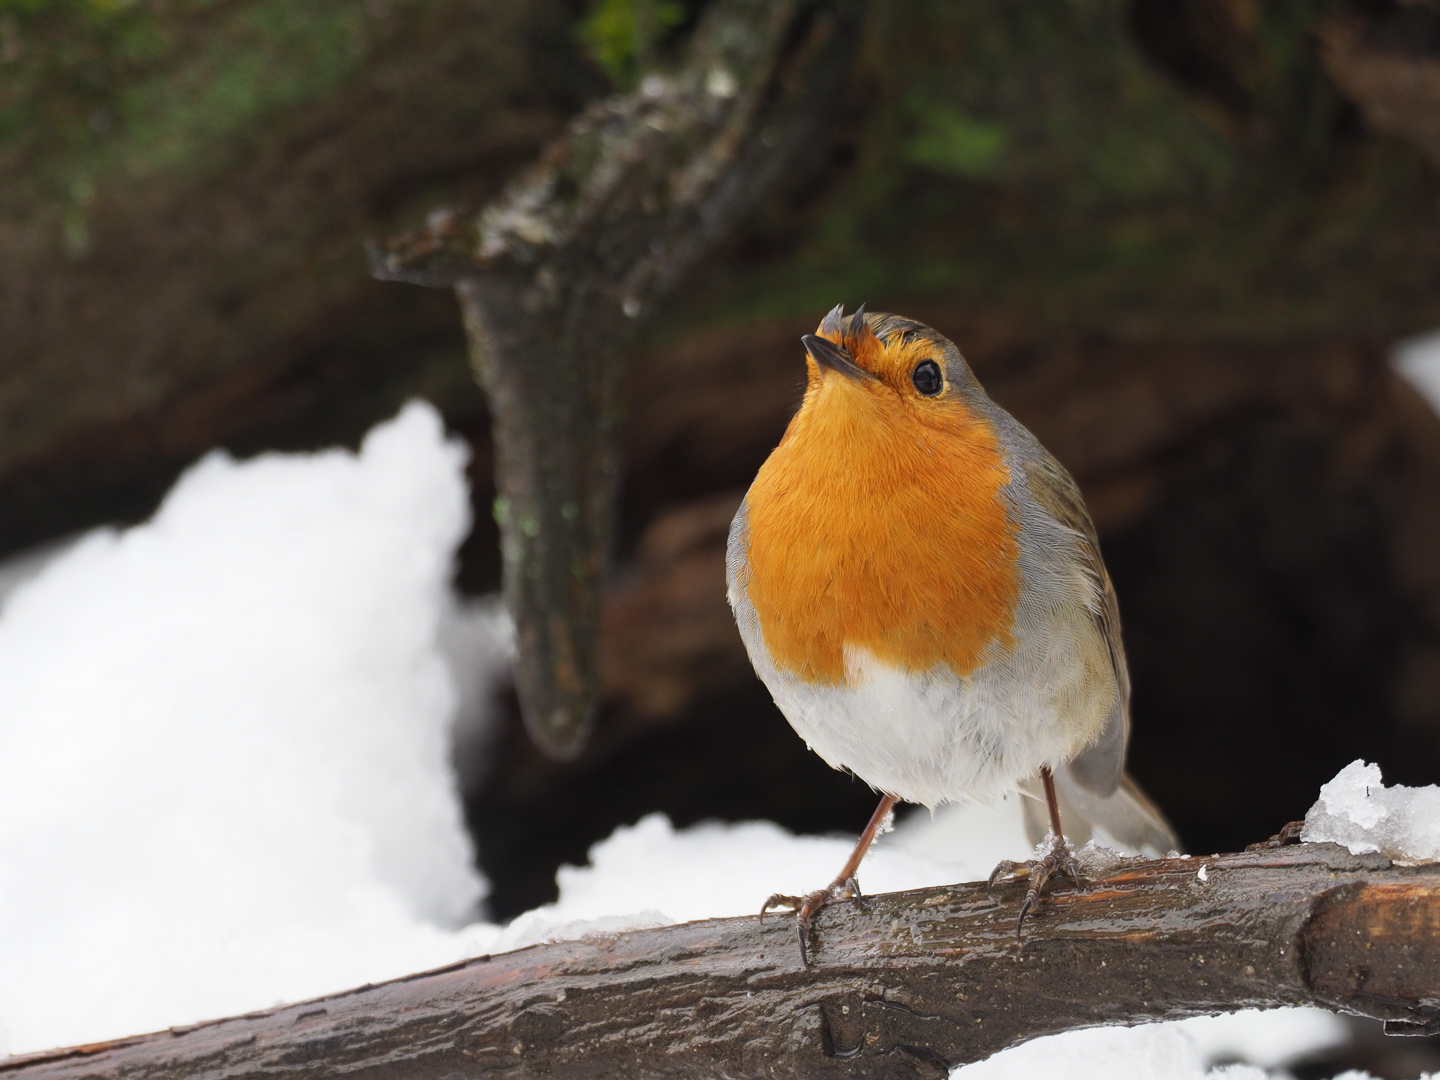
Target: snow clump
<point>1357,810</point>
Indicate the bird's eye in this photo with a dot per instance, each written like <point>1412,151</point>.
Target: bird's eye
<point>926,378</point>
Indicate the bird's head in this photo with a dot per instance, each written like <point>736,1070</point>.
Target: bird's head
<point>899,364</point>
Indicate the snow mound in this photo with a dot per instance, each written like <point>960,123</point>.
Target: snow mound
<point>1418,362</point>
<point>1357,810</point>
<point>1181,1050</point>
<point>224,739</point>
<point>709,871</point>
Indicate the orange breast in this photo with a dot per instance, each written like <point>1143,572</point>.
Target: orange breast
<point>878,524</point>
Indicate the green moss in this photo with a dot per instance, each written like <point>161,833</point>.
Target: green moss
<point>1031,158</point>
<point>105,92</point>
<point>268,58</point>
<point>952,142</point>
<point>623,35</point>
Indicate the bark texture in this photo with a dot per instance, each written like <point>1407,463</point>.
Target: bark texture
<point>909,984</point>
<point>556,277</point>
<point>1388,63</point>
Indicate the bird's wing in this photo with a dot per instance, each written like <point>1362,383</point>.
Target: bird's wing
<point>1097,768</point>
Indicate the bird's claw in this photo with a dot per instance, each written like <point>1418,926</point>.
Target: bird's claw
<point>779,900</point>
<point>1060,859</point>
<point>808,906</point>
<point>1006,868</point>
<point>852,892</point>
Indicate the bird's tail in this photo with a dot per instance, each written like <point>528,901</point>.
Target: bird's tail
<point>1126,819</point>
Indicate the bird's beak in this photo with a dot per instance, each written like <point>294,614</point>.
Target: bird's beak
<point>829,355</point>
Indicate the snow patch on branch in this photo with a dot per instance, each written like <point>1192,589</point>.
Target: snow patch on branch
<point>1357,810</point>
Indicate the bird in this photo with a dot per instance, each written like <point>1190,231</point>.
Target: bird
<point>919,585</point>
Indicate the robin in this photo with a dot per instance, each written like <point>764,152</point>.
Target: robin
<point>919,585</point>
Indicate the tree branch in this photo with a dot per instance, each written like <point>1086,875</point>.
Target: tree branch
<point>909,984</point>
<point>556,277</point>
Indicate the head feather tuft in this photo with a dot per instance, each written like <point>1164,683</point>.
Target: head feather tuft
<point>859,338</point>
<point>833,325</point>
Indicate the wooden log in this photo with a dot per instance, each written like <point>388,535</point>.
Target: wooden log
<point>903,985</point>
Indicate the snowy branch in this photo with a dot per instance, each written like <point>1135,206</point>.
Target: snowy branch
<point>908,984</point>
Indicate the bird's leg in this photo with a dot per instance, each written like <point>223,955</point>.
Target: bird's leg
<point>1059,859</point>
<point>844,887</point>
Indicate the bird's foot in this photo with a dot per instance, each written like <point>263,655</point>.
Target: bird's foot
<point>1060,859</point>
<point>808,906</point>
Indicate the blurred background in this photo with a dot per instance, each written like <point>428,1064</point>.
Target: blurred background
<point>1181,240</point>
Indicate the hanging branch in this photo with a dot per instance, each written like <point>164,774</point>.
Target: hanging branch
<point>909,984</point>
<point>556,277</point>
